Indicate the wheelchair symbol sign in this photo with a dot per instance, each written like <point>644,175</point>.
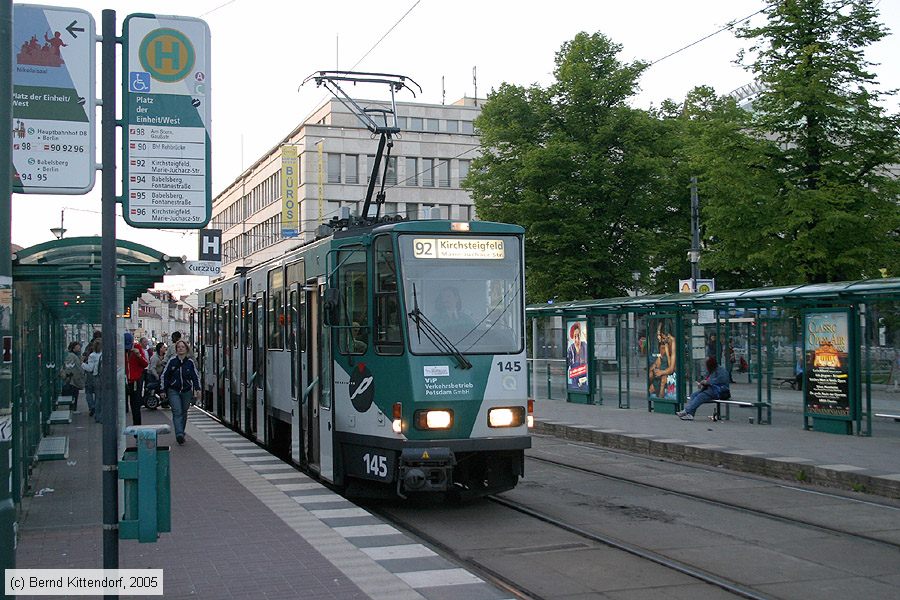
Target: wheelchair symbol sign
<point>139,81</point>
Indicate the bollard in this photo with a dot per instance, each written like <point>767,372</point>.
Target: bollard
<point>147,500</point>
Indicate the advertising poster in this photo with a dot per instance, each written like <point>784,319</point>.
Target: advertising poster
<point>661,374</point>
<point>605,343</point>
<point>577,371</point>
<point>826,347</point>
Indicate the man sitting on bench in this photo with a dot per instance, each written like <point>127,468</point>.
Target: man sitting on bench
<point>714,387</point>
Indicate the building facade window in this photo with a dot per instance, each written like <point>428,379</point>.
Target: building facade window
<point>352,164</point>
<point>390,177</point>
<point>467,127</point>
<point>334,168</point>
<point>444,173</point>
<point>415,124</point>
<point>452,126</point>
<point>428,172</point>
<point>432,125</point>
<point>412,171</point>
<point>464,165</point>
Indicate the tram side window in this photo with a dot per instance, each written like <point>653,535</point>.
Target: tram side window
<point>276,310</point>
<point>236,314</point>
<point>226,324</point>
<point>218,311</point>
<point>296,273</point>
<point>209,327</point>
<point>388,339</point>
<point>354,308</point>
<point>248,317</point>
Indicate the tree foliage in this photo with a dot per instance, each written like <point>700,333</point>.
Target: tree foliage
<point>583,172</point>
<point>832,211</point>
<point>797,189</point>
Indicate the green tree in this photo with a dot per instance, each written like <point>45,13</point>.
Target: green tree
<point>829,205</point>
<point>585,174</point>
<point>740,222</point>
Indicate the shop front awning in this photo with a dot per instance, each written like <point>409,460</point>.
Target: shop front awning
<point>64,275</point>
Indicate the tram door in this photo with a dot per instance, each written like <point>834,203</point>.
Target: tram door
<point>227,367</point>
<point>219,361</point>
<point>259,368</point>
<point>299,379</point>
<point>320,410</point>
<point>252,367</point>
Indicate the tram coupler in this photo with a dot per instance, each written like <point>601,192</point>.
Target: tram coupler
<point>426,469</point>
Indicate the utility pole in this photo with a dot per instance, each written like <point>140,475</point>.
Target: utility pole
<point>7,506</point>
<point>694,254</point>
<point>112,352</point>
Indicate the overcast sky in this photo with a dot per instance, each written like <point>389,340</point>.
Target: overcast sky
<point>263,49</point>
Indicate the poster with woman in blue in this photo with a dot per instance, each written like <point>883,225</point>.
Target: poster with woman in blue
<point>577,357</point>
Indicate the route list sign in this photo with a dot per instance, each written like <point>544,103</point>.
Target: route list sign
<point>167,176</point>
<point>53,100</point>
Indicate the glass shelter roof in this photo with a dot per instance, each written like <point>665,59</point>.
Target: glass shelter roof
<point>64,275</point>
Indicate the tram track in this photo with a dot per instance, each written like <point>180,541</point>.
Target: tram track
<point>644,553</point>
<point>818,526</point>
<point>522,591</point>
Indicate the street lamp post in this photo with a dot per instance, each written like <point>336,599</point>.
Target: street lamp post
<point>60,231</point>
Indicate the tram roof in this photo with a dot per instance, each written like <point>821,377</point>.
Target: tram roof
<point>814,294</point>
<point>65,274</point>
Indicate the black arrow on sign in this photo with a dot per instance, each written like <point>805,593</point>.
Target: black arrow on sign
<point>72,29</point>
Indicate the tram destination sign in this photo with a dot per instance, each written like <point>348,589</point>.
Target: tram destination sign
<point>54,100</point>
<point>166,100</point>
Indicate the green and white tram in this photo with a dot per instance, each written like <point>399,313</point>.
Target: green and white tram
<point>387,358</point>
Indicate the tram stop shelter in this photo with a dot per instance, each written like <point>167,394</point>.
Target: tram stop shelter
<point>825,347</point>
<point>56,294</point>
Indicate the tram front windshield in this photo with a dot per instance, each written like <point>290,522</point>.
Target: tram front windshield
<point>467,288</point>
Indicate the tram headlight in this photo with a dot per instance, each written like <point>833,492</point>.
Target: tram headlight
<point>434,419</point>
<point>512,416</point>
<point>397,423</point>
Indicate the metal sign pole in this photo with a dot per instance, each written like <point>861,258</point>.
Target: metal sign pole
<point>7,507</point>
<point>111,349</point>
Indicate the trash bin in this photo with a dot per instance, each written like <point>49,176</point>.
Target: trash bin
<point>145,471</point>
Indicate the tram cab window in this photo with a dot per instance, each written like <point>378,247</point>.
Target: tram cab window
<point>353,312</point>
<point>469,287</point>
<point>388,339</point>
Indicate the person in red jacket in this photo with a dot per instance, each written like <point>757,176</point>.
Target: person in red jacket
<point>135,363</point>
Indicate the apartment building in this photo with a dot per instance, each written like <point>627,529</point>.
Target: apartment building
<point>431,155</point>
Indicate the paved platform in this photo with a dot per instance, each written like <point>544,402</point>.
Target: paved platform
<point>783,449</point>
<point>244,525</point>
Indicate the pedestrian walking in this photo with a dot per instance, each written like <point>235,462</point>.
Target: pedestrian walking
<point>72,374</point>
<point>135,363</point>
<point>92,388</point>
<point>181,383</point>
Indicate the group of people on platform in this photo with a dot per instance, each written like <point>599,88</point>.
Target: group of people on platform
<point>171,369</point>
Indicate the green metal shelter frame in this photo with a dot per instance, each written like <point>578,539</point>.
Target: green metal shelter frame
<point>57,283</point>
<point>764,314</point>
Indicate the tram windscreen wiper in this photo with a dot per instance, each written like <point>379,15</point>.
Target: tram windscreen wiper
<point>435,335</point>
